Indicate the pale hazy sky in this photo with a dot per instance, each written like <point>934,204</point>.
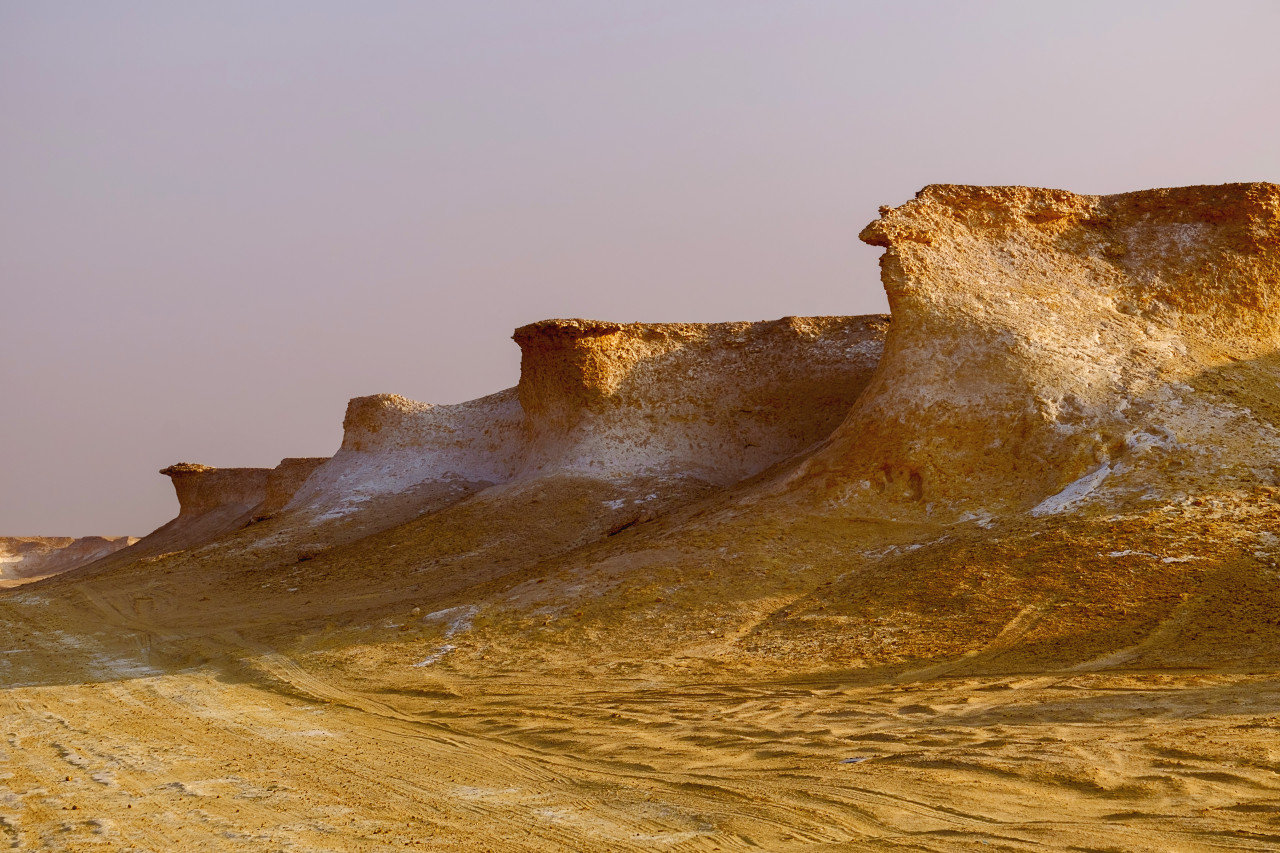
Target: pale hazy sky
<point>219,221</point>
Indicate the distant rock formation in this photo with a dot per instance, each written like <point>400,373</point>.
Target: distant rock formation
<point>215,501</point>
<point>30,557</point>
<point>1048,347</point>
<point>718,402</point>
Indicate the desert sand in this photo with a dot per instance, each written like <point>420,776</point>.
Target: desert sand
<point>998,571</point>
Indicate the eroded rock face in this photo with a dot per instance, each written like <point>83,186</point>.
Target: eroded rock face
<point>213,502</point>
<point>392,445</point>
<point>284,480</point>
<point>1048,346</point>
<point>202,488</point>
<point>30,557</point>
<point>718,401</point>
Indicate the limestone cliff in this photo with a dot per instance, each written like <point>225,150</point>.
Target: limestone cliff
<point>395,446</point>
<point>716,401</point>
<point>213,502</point>
<point>284,481</point>
<point>203,488</point>
<point>1048,346</point>
<point>30,557</point>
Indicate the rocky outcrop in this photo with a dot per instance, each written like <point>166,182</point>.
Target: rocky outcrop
<point>395,446</point>
<point>284,481</point>
<point>1050,348</point>
<point>202,488</point>
<point>31,557</point>
<point>213,502</point>
<point>717,402</point>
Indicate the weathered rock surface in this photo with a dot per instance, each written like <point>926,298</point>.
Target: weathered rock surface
<point>284,481</point>
<point>395,446</point>
<point>1049,347</point>
<point>213,502</point>
<point>26,557</point>
<point>202,488</point>
<point>717,402</point>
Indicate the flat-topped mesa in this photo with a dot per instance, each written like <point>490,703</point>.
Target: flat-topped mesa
<point>720,401</point>
<point>1045,342</point>
<point>202,488</point>
<point>24,558</point>
<point>215,502</point>
<point>392,446</point>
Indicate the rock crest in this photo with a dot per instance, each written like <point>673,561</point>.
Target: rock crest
<point>1044,340</point>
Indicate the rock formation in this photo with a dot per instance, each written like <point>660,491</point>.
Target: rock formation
<point>1047,346</point>
<point>717,402</point>
<point>213,502</point>
<point>579,581</point>
<point>30,557</point>
<point>395,446</point>
<point>202,489</point>
<point>284,480</point>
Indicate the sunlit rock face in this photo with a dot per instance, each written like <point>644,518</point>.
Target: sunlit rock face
<point>713,401</point>
<point>1048,349</point>
<point>718,401</point>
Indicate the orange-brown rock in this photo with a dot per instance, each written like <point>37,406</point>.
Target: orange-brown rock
<point>713,401</point>
<point>213,502</point>
<point>1048,348</point>
<point>203,488</point>
<point>284,480</point>
<point>718,401</point>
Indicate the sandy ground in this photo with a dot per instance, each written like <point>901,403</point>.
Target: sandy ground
<point>241,699</point>
<point>193,761</point>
